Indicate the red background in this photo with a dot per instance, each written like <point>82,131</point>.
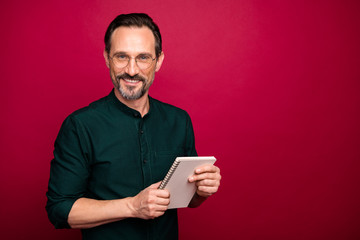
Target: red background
<point>272,88</point>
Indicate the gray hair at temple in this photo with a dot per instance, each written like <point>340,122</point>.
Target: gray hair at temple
<point>134,20</point>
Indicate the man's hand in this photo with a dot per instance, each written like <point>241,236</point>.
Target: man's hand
<point>150,202</point>
<point>207,179</point>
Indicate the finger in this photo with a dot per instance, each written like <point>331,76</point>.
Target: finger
<point>206,191</point>
<point>162,207</point>
<point>207,168</point>
<point>163,193</point>
<point>208,182</point>
<point>155,185</point>
<point>163,201</point>
<point>159,207</point>
<point>156,211</point>
<point>203,176</point>
<point>159,213</point>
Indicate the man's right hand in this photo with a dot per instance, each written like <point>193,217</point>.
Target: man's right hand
<point>150,202</point>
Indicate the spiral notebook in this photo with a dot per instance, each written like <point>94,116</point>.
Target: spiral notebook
<point>176,180</point>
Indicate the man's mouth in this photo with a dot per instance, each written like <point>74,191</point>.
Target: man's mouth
<point>131,80</point>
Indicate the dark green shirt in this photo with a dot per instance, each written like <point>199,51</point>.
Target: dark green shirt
<point>108,151</point>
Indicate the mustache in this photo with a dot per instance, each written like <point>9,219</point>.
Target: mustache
<point>127,76</point>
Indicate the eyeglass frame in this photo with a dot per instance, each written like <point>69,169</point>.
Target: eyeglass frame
<point>129,58</point>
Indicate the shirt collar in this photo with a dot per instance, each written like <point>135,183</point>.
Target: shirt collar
<point>127,109</point>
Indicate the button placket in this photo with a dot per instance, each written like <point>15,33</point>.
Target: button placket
<point>144,151</point>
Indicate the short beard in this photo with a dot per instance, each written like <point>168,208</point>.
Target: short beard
<point>130,94</point>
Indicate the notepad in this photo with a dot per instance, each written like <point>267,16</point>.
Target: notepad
<point>176,180</point>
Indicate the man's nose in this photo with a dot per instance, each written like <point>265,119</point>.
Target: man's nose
<point>132,68</point>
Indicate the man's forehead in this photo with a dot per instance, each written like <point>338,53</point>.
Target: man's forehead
<point>132,39</point>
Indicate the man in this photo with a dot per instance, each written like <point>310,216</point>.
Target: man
<point>110,157</point>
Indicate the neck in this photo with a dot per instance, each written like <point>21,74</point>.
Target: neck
<point>141,105</point>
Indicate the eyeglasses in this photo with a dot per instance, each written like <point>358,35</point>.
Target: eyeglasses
<point>143,61</point>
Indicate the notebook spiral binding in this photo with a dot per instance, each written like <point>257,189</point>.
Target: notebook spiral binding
<point>169,174</point>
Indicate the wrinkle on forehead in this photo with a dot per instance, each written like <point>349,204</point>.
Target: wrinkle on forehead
<point>133,41</point>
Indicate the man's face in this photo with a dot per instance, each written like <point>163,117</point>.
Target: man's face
<point>131,82</point>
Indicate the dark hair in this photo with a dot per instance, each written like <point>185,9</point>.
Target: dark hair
<point>137,20</point>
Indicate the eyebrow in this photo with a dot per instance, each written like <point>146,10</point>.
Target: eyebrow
<point>141,53</point>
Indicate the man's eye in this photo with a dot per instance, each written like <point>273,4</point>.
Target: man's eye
<point>143,57</point>
<point>121,57</point>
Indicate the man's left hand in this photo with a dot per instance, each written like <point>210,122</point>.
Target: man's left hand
<point>207,179</point>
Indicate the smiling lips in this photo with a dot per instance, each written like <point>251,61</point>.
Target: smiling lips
<point>131,81</point>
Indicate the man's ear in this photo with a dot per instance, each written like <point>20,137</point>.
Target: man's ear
<point>106,56</point>
<point>159,61</point>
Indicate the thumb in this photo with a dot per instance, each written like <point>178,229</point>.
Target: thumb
<point>155,185</point>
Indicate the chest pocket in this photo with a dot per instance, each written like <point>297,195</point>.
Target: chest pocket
<point>163,161</point>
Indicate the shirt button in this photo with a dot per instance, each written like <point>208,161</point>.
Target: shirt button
<point>141,131</point>
<point>144,160</point>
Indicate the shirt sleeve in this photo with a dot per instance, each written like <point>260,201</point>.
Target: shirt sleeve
<point>190,138</point>
<point>69,172</point>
